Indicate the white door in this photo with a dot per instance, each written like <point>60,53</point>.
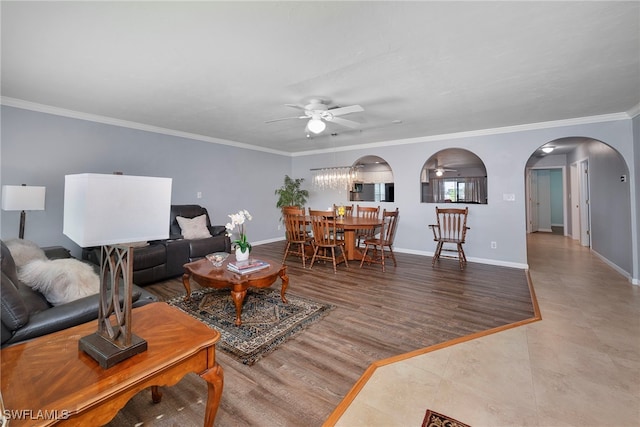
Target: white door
<point>533,201</point>
<point>575,202</point>
<point>585,233</point>
<point>544,200</point>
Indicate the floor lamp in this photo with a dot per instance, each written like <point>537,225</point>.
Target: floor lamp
<point>111,211</point>
<point>22,198</point>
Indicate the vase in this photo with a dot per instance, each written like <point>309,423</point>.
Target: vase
<point>242,256</point>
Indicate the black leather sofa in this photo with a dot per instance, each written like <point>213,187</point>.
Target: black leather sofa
<point>26,314</point>
<point>164,259</point>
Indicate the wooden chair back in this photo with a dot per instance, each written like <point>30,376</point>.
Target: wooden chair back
<point>367,211</point>
<point>323,225</point>
<point>389,226</point>
<point>295,227</point>
<point>451,226</point>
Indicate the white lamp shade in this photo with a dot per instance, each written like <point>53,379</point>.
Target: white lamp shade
<point>22,198</point>
<point>102,209</point>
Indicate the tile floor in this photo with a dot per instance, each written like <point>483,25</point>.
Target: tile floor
<point>578,366</point>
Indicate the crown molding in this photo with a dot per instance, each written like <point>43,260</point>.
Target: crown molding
<point>482,132</point>
<point>26,105</point>
<point>41,108</point>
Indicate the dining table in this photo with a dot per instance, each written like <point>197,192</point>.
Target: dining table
<point>350,224</point>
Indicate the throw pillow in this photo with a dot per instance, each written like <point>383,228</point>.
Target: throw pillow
<point>24,251</point>
<point>60,280</point>
<point>194,228</point>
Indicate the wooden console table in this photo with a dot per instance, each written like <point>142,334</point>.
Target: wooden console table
<point>48,381</point>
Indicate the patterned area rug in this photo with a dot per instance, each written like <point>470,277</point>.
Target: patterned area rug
<point>267,322</point>
<point>434,419</point>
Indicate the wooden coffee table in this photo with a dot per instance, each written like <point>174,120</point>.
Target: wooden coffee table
<point>206,275</point>
<point>48,381</point>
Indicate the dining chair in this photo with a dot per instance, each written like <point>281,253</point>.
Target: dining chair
<point>451,228</point>
<point>297,235</point>
<point>368,233</point>
<point>325,239</point>
<point>385,239</point>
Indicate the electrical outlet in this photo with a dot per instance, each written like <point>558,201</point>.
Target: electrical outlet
<point>199,194</point>
<point>494,245</point>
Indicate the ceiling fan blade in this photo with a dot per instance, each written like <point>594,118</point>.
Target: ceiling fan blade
<point>285,118</point>
<point>299,107</point>
<point>344,122</point>
<point>346,110</point>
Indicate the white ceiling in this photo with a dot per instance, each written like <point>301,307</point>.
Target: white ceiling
<point>221,69</point>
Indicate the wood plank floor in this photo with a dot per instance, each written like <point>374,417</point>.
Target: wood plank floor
<point>377,315</point>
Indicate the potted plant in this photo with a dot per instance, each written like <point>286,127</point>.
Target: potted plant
<point>290,194</point>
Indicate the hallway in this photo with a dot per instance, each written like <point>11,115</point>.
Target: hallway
<point>578,366</point>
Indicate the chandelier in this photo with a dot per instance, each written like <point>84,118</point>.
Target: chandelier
<point>334,178</point>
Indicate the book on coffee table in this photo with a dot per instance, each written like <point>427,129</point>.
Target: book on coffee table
<point>246,267</point>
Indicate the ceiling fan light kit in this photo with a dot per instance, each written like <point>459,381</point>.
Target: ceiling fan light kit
<point>318,112</point>
<point>316,126</point>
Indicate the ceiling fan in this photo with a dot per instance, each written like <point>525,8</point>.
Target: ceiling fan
<point>317,111</point>
<point>441,170</point>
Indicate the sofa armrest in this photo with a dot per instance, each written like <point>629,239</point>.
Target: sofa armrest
<point>56,252</point>
<point>58,318</point>
<point>217,230</point>
<point>71,314</point>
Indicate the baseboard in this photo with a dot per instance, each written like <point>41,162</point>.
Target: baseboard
<point>470,259</point>
<point>617,268</point>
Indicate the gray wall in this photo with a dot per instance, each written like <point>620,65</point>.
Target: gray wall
<point>609,202</point>
<point>40,149</point>
<point>505,156</point>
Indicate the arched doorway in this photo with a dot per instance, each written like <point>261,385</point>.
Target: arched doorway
<point>595,196</point>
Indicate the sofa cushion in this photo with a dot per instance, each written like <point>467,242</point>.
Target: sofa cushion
<point>60,280</point>
<point>194,228</point>
<point>24,251</point>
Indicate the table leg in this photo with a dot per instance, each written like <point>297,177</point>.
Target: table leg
<point>238,298</point>
<point>215,381</point>
<point>156,394</point>
<point>350,243</point>
<point>285,283</point>
<point>187,285</point>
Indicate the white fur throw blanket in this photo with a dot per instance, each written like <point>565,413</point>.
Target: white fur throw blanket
<point>24,251</point>
<point>60,280</point>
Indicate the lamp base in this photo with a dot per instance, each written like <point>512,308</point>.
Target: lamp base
<point>108,354</point>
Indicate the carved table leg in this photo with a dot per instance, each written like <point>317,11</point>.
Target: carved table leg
<point>215,381</point>
<point>187,285</point>
<point>238,298</point>
<point>156,394</point>
<point>285,284</point>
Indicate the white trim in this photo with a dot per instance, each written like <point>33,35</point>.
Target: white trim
<point>427,254</point>
<point>634,111</point>
<point>616,268</point>
<point>26,105</point>
<point>470,259</point>
<point>482,132</point>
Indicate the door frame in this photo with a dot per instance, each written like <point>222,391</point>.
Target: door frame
<point>565,197</point>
